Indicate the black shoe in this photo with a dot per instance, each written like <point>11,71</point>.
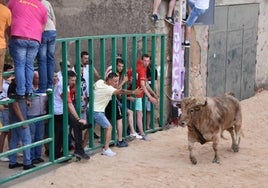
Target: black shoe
<point>121,144</point>
<point>82,156</point>
<point>18,97</point>
<point>28,95</point>
<point>27,167</point>
<point>170,20</point>
<point>96,136</point>
<point>85,156</point>
<point>40,160</point>
<point>186,45</point>
<point>35,161</point>
<point>16,165</point>
<point>155,18</point>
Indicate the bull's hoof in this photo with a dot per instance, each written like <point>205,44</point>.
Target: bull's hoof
<point>235,148</point>
<point>215,160</point>
<point>193,160</point>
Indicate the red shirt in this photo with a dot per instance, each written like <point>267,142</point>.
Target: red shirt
<point>71,94</point>
<point>141,75</point>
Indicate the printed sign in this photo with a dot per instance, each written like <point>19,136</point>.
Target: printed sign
<point>177,64</point>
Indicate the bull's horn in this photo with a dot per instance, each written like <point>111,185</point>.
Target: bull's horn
<point>230,93</point>
<point>174,100</point>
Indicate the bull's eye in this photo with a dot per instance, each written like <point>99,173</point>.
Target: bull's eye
<point>197,108</point>
<point>192,111</point>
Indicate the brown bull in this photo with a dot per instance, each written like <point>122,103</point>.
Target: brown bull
<point>206,122</point>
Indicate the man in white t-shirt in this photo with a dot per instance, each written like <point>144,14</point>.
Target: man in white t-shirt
<point>103,91</point>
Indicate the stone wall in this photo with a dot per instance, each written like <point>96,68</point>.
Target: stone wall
<point>262,48</point>
<point>101,17</point>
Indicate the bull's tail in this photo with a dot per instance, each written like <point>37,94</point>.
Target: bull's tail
<point>241,134</point>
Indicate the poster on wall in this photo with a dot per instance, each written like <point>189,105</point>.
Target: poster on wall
<point>177,64</point>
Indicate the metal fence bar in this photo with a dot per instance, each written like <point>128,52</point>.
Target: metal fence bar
<point>64,97</point>
<point>124,98</point>
<point>91,94</point>
<point>162,81</point>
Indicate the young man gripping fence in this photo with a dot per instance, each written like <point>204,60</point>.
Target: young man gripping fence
<point>103,91</point>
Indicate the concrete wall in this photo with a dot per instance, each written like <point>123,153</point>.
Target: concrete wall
<point>101,17</point>
<point>262,48</point>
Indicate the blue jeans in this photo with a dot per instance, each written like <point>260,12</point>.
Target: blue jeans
<point>23,53</point>
<point>101,119</point>
<point>20,134</point>
<point>37,134</point>
<point>4,117</point>
<point>194,14</point>
<point>46,60</point>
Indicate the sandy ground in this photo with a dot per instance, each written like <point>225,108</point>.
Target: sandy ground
<point>163,162</point>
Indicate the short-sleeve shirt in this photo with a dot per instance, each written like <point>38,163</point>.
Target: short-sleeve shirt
<point>51,16</point>
<point>5,22</point>
<point>28,18</point>
<point>201,4</point>
<point>58,102</point>
<point>141,75</point>
<point>102,95</point>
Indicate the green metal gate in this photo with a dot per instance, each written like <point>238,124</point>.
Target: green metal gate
<point>102,49</point>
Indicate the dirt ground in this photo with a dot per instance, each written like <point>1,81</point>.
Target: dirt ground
<point>164,162</point>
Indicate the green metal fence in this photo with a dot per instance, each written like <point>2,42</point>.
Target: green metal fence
<point>102,52</point>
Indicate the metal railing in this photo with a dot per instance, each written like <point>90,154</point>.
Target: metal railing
<point>101,49</point>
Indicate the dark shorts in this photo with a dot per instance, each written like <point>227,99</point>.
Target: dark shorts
<point>109,109</point>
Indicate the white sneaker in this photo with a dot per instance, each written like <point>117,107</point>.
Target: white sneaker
<point>4,159</point>
<point>108,152</point>
<point>145,138</point>
<point>136,135</point>
<point>49,90</point>
<point>3,98</point>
